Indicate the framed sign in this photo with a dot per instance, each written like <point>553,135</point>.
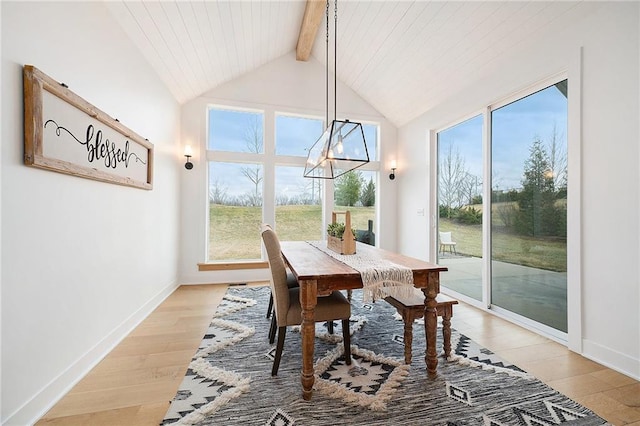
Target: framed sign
<point>66,134</point>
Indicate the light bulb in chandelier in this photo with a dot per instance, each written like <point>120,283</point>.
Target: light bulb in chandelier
<point>339,145</point>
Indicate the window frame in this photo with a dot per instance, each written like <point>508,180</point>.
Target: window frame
<point>236,157</point>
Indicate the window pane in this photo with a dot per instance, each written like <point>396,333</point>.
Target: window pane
<point>371,138</point>
<point>460,206</point>
<point>236,131</point>
<point>529,206</point>
<point>356,191</point>
<point>295,135</point>
<point>235,211</point>
<point>298,205</point>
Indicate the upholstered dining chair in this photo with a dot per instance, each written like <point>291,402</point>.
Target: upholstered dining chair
<point>291,282</point>
<point>287,301</point>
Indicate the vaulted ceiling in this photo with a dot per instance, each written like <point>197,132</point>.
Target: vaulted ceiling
<point>403,57</point>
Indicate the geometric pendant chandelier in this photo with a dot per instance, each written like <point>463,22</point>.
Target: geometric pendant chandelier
<point>340,149</point>
<point>342,146</point>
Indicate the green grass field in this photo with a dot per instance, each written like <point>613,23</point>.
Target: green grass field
<point>543,253</point>
<point>235,235</point>
<point>235,231</point>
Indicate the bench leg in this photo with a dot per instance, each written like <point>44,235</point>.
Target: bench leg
<point>408,336</point>
<point>446,331</point>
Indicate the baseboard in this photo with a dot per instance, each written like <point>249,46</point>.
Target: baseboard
<point>42,402</point>
<point>225,277</point>
<point>614,360</point>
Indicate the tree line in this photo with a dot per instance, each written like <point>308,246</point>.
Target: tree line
<point>351,189</point>
<point>536,209</point>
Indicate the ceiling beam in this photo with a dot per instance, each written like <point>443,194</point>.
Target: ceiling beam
<point>311,21</point>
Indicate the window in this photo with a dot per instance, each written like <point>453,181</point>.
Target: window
<point>298,204</point>
<point>295,135</point>
<point>356,190</point>
<point>235,131</point>
<point>235,184</point>
<point>371,139</point>
<point>244,165</point>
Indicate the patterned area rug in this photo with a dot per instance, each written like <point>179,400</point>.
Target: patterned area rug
<point>229,381</point>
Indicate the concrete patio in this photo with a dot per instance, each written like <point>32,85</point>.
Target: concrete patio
<point>531,292</point>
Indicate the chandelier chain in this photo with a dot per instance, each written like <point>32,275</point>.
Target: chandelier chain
<point>335,60</point>
<point>326,123</point>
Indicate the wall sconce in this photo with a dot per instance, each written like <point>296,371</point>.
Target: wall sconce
<point>188,153</point>
<point>392,176</point>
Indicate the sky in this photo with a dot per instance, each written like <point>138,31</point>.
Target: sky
<point>229,131</point>
<point>514,127</point>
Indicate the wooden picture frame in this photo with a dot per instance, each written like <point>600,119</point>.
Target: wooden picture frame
<point>66,134</point>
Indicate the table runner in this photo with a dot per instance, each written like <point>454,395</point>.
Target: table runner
<point>380,277</point>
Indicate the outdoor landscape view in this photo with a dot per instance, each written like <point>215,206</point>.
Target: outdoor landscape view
<point>528,244</point>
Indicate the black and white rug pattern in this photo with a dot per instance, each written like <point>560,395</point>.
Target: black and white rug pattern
<point>229,381</point>
<point>205,387</point>
<point>370,380</point>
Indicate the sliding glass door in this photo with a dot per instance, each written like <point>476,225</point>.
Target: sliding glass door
<point>460,206</point>
<point>529,206</point>
<point>526,211</point>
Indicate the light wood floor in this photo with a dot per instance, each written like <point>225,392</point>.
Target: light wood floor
<point>135,382</point>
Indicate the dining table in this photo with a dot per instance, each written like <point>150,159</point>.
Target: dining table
<point>319,274</point>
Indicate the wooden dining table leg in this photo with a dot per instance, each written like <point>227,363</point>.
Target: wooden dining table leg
<point>308,301</point>
<point>431,322</point>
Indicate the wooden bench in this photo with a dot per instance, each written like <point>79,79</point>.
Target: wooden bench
<point>412,308</point>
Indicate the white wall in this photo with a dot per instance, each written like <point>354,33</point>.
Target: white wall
<point>0,232</point>
<point>606,294</point>
<point>82,261</point>
<point>283,85</point>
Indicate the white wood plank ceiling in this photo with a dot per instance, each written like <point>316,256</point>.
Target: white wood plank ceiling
<point>403,57</point>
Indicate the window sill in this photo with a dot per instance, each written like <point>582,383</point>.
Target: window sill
<point>228,266</point>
